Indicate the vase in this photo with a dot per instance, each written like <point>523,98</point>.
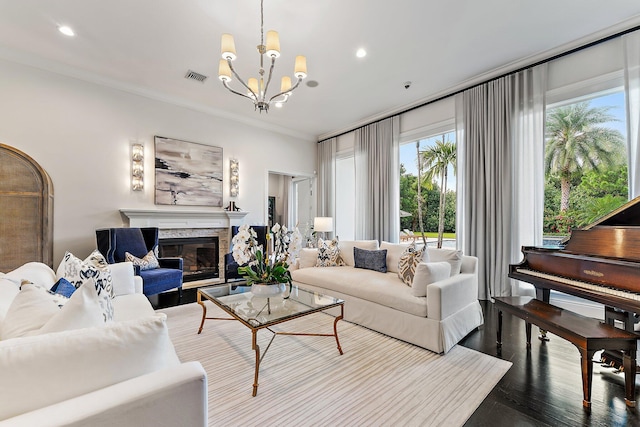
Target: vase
<point>268,290</point>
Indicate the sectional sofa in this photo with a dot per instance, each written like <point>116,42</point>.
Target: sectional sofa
<point>72,372</point>
<point>436,311</point>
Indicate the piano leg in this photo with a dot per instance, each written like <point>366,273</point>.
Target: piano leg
<point>528,331</point>
<point>587,374</point>
<point>543,294</point>
<point>499,332</point>
<point>629,361</point>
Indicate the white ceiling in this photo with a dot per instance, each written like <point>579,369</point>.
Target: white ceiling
<point>147,46</point>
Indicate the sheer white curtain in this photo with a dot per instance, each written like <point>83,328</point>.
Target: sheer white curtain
<point>500,136</point>
<point>377,167</point>
<point>327,178</point>
<point>631,43</point>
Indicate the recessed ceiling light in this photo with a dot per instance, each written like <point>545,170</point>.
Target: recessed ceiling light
<point>66,30</point>
<point>361,53</point>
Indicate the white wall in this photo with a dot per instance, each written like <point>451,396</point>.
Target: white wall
<point>80,132</point>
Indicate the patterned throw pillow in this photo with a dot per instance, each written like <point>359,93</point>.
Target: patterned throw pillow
<point>329,254</point>
<point>149,262</point>
<point>409,260</point>
<point>95,267</point>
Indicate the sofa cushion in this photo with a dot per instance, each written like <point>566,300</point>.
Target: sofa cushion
<point>346,249</point>
<point>32,307</point>
<point>409,260</point>
<point>452,256</point>
<point>370,260</point>
<point>328,253</point>
<point>9,289</point>
<point>148,262</point>
<point>428,273</point>
<point>129,307</point>
<point>308,257</point>
<point>123,277</point>
<point>35,272</point>
<point>381,288</point>
<point>394,251</point>
<point>43,370</point>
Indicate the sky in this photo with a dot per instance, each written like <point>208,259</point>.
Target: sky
<point>408,151</point>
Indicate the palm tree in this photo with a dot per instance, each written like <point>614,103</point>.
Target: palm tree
<point>575,142</point>
<point>436,161</point>
<point>419,195</point>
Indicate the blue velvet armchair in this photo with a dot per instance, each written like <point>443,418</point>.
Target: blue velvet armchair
<point>114,242</point>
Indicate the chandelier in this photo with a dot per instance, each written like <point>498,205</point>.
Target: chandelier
<point>257,87</point>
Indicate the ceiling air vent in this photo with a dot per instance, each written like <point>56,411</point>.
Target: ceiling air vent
<point>192,75</point>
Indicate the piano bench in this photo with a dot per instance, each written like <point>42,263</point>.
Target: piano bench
<point>587,334</point>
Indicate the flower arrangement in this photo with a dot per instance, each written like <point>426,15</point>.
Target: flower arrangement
<point>260,267</point>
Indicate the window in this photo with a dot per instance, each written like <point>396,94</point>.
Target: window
<point>345,200</point>
<point>442,149</point>
<point>585,162</point>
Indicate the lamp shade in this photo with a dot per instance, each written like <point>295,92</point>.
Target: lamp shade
<point>323,223</point>
<point>300,70</point>
<point>273,44</point>
<point>228,47</point>
<point>224,71</point>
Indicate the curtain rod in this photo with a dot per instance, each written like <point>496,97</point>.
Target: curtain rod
<point>543,61</point>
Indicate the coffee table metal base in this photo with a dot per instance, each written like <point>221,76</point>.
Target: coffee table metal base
<point>254,337</point>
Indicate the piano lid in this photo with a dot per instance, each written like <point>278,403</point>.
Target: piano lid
<point>626,215</point>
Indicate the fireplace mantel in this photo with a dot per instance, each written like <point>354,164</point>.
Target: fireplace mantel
<point>171,219</point>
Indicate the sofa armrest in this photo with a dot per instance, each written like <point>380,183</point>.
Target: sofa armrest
<point>170,263</point>
<point>448,296</point>
<point>469,264</point>
<point>172,396</point>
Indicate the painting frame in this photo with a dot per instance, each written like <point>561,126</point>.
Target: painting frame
<point>188,173</point>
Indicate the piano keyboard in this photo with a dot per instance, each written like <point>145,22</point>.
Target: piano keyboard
<point>583,285</point>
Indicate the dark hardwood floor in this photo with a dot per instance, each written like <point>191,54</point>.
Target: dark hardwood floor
<point>542,388</point>
<point>544,385</point>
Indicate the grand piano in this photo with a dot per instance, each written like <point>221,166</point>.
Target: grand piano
<point>600,262</point>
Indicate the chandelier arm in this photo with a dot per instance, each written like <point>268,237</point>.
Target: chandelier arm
<point>235,91</point>
<point>285,92</point>
<point>266,86</point>
<point>241,81</point>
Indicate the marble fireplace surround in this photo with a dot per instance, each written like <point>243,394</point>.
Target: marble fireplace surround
<point>190,223</point>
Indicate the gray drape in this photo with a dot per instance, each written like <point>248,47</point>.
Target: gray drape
<point>327,178</point>
<point>500,139</point>
<point>377,181</point>
<point>631,46</point>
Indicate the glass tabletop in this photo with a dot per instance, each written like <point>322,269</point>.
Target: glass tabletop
<point>260,311</point>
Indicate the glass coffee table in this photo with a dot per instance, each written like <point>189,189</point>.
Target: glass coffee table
<point>259,312</point>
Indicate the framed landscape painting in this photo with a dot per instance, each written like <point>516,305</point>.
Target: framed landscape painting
<point>187,173</point>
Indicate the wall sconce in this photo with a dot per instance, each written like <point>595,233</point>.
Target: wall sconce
<point>234,180</point>
<point>137,166</point>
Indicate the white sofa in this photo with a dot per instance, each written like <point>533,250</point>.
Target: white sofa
<point>122,373</point>
<point>383,302</point>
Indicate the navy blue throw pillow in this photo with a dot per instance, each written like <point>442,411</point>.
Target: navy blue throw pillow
<point>370,260</point>
<point>63,287</point>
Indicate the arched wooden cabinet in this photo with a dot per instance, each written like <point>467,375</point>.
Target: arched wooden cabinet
<point>26,210</point>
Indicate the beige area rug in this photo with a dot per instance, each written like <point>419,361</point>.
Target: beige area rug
<point>304,381</point>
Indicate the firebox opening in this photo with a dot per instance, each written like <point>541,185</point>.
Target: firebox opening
<point>200,256</point>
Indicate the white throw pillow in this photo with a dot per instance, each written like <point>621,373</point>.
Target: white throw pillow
<point>427,273</point>
<point>452,256</point>
<point>8,291</point>
<point>46,369</point>
<point>346,249</point>
<point>30,310</point>
<point>394,251</point>
<point>35,272</point>
<point>308,257</point>
<point>83,310</point>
